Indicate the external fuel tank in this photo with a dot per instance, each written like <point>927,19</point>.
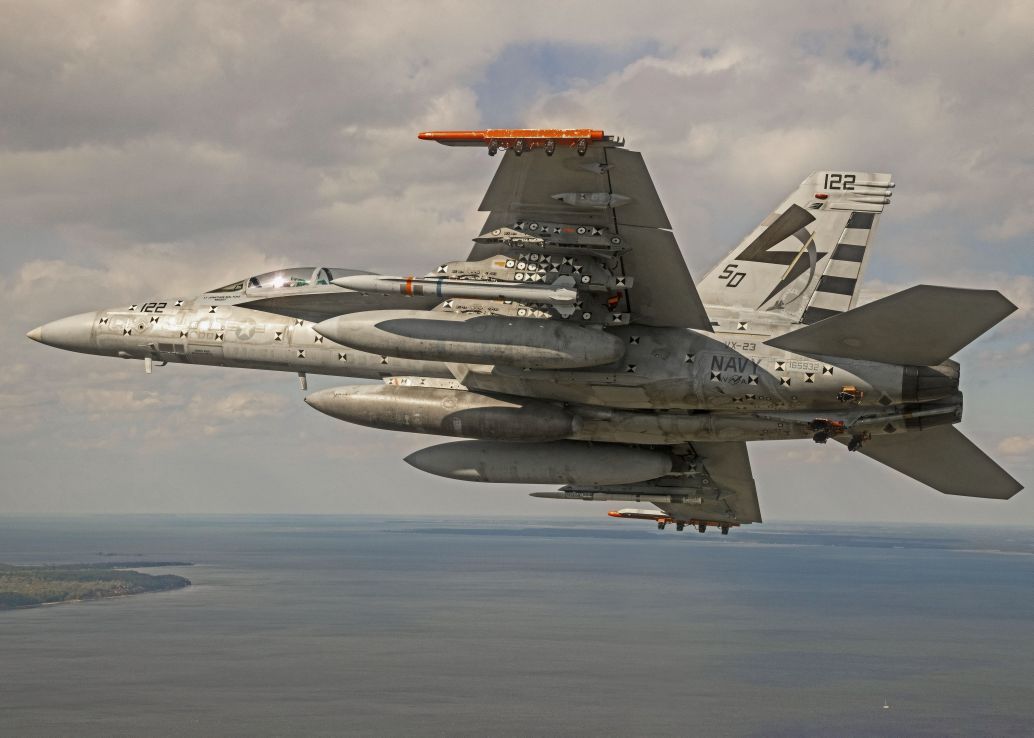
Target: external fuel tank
<point>561,462</point>
<point>445,412</point>
<point>474,339</point>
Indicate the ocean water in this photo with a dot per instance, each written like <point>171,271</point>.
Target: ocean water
<point>369,626</point>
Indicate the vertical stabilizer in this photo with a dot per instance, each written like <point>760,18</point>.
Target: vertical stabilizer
<point>805,260</point>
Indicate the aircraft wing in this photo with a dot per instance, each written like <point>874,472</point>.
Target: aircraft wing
<point>728,492</point>
<point>603,196</point>
<point>718,488</point>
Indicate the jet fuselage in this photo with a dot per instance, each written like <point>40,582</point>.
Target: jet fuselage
<point>671,385</point>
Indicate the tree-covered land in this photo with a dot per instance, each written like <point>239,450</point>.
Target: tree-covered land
<point>26,586</point>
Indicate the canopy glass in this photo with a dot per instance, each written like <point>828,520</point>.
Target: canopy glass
<point>288,278</point>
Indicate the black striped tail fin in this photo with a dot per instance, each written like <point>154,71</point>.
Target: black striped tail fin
<point>806,258</point>
<point>838,287</point>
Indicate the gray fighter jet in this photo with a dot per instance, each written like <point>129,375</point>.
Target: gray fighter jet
<point>573,347</point>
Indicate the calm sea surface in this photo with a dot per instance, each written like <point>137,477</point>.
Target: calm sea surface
<point>327,625</point>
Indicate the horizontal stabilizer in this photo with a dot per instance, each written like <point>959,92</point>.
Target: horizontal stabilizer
<point>943,458</point>
<point>921,326</point>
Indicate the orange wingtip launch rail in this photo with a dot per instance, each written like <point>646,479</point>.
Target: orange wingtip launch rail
<point>522,139</point>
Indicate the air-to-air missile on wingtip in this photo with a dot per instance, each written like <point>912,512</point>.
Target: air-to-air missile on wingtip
<point>572,347</point>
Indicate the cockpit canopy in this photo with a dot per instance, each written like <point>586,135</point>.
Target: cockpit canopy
<point>289,278</point>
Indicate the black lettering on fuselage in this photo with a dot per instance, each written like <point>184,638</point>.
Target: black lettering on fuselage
<point>737,364</point>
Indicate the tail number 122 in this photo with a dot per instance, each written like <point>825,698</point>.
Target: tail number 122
<point>839,181</point>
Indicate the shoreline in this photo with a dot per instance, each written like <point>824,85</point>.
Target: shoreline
<point>26,587</point>
<point>37,605</point>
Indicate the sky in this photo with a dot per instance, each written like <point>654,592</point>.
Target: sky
<point>167,148</point>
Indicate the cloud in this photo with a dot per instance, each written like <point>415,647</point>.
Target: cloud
<point>1017,446</point>
<point>237,406</point>
<point>155,189</point>
<point>100,402</point>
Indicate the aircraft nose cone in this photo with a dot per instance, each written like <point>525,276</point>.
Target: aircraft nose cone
<point>74,333</point>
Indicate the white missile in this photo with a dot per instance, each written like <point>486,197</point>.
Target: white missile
<point>561,291</point>
<point>593,496</point>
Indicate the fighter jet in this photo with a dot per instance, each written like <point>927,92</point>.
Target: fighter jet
<point>571,346</point>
